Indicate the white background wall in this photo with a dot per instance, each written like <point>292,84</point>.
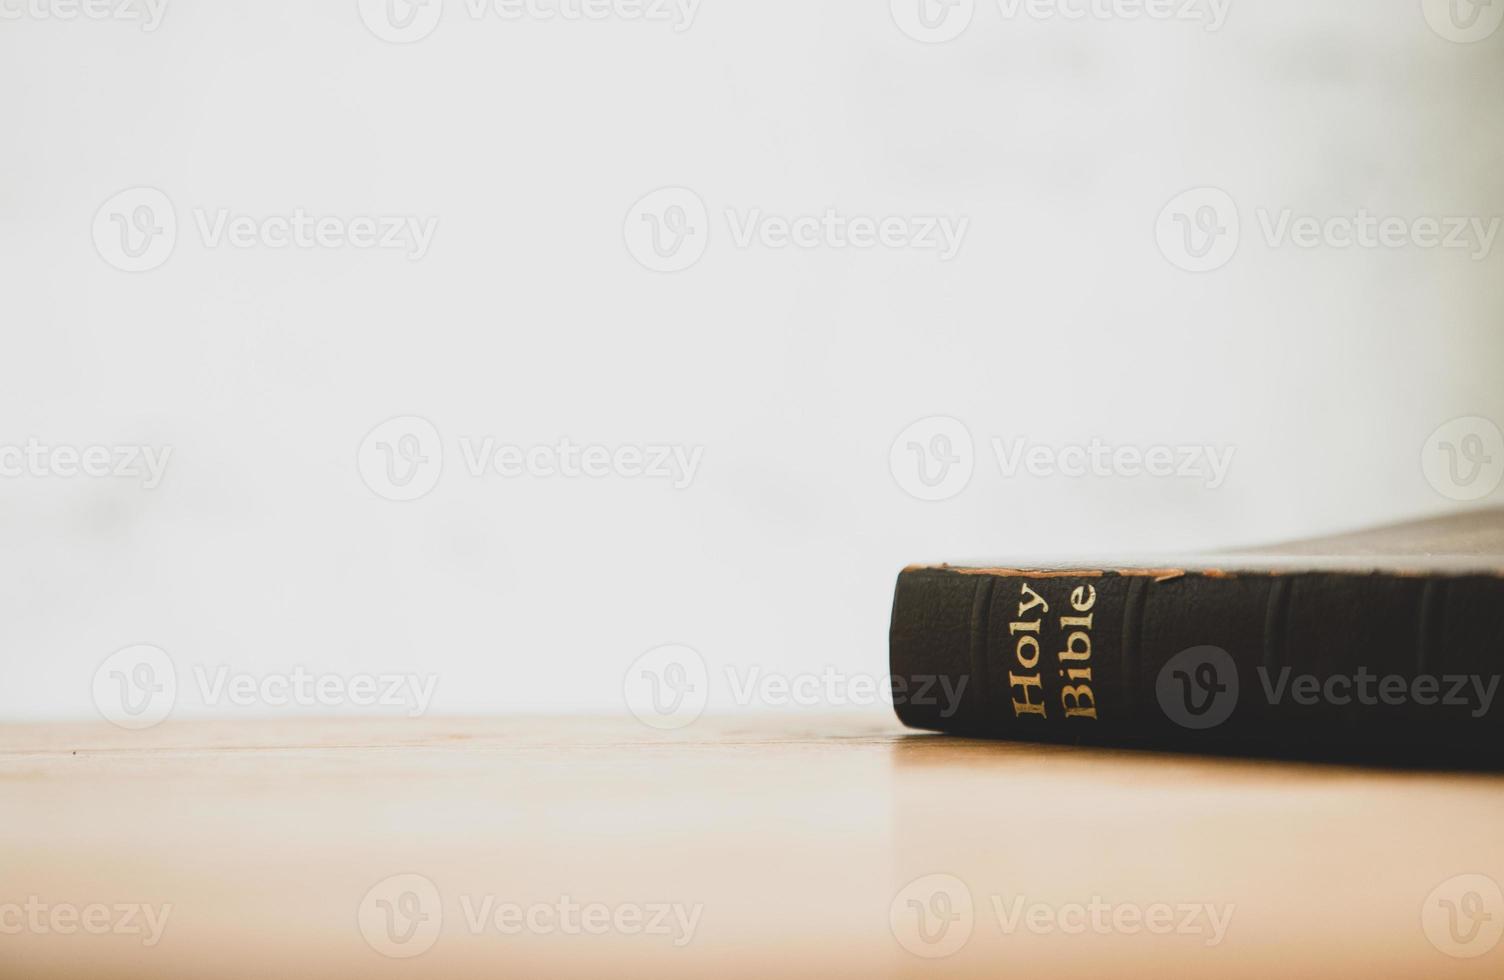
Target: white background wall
<point>1060,320</point>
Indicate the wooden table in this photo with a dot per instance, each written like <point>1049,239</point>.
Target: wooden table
<point>764,846</point>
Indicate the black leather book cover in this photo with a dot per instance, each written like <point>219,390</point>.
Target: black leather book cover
<point>1385,643</point>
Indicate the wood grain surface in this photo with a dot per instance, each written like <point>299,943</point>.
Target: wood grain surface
<point>763,846</point>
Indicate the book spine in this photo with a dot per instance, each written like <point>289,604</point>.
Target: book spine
<point>1303,662</point>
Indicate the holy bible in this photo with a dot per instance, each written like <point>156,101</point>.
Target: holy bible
<point>1385,643</point>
